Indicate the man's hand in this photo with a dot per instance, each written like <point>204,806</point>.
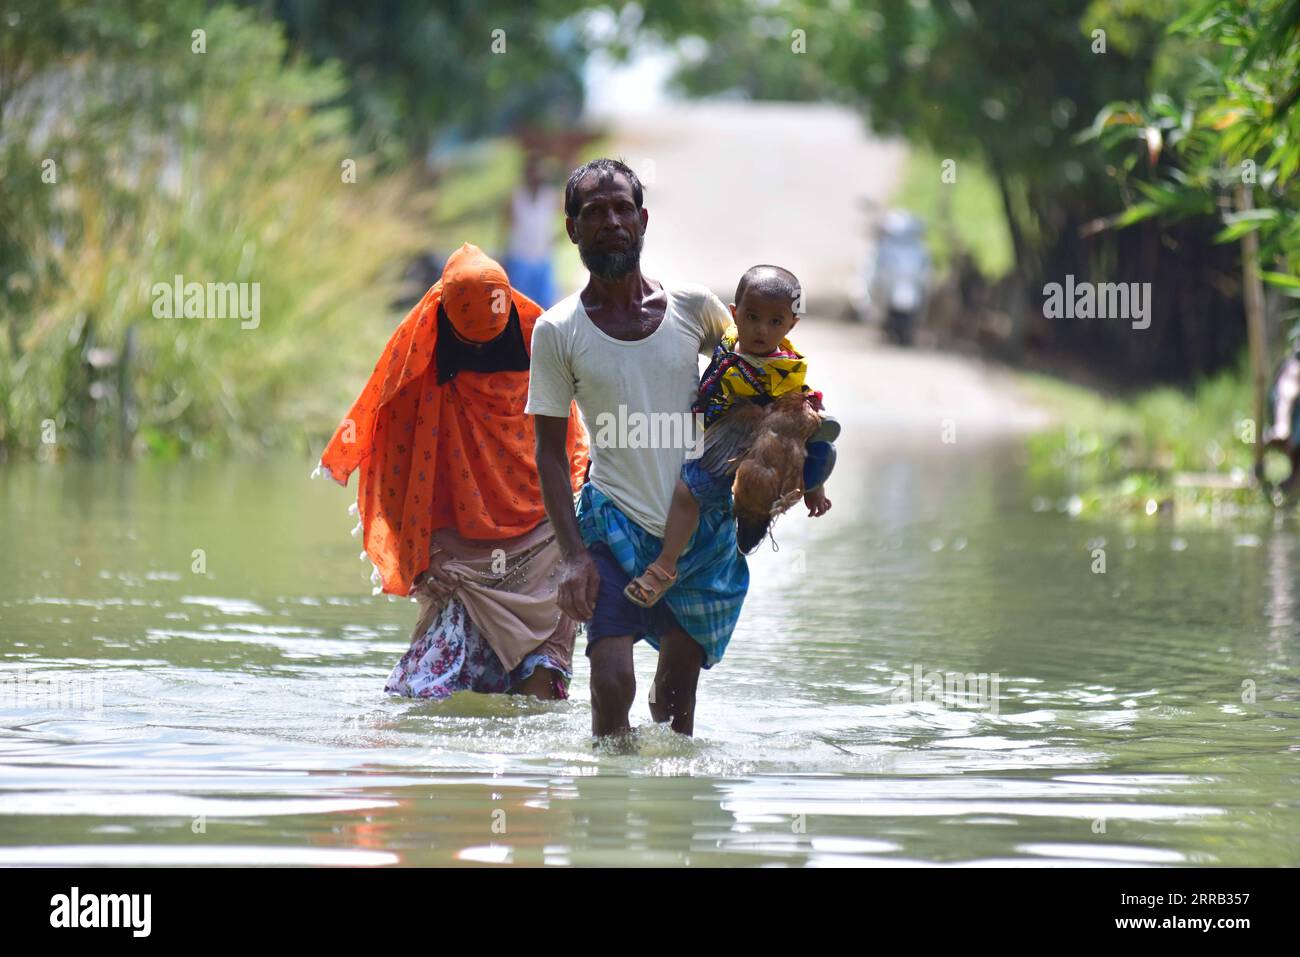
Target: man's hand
<point>436,583</point>
<point>579,585</point>
<point>579,580</point>
<point>817,502</point>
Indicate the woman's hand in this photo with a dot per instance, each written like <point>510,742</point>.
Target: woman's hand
<point>436,583</point>
<point>817,502</point>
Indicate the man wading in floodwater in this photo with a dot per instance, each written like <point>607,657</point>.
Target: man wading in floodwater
<point>626,340</point>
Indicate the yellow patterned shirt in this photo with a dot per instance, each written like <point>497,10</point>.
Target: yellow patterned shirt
<point>732,374</point>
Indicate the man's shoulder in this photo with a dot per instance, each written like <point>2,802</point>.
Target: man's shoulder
<point>563,313</point>
<point>705,313</point>
<point>692,296</point>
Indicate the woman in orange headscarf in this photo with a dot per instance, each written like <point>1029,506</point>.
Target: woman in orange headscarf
<point>449,498</point>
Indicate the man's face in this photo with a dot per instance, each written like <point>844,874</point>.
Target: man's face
<point>608,229</point>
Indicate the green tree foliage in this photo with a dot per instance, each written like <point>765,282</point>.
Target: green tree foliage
<point>1013,85</point>
<point>420,72</point>
<point>1231,121</point>
<point>131,156</point>
<point>1007,83</point>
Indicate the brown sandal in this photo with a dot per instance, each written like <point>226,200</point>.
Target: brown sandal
<point>645,591</point>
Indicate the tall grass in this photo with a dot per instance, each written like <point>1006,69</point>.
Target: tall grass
<point>231,172</point>
<point>1128,455</point>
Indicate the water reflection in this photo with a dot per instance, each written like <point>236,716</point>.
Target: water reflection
<point>243,719</point>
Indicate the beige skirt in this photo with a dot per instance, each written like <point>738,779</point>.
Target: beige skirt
<point>509,589</point>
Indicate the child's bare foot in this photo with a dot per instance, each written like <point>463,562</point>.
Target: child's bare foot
<point>817,502</point>
<point>647,589</point>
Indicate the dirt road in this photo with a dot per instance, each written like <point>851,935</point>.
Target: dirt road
<point>733,184</point>
<point>729,185</point>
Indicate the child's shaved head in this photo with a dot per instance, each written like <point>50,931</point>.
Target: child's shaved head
<point>770,282</point>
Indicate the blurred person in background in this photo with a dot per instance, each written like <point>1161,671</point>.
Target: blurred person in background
<point>530,220</point>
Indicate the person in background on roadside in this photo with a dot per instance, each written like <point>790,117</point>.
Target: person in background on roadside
<point>530,218</point>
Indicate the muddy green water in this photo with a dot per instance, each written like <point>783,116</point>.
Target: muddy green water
<point>1144,716</point>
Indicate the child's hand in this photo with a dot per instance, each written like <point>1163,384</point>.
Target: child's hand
<point>817,502</point>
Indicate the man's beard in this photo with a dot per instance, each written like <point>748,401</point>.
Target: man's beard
<point>611,265</point>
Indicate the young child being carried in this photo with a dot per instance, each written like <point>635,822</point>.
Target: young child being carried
<point>752,367</point>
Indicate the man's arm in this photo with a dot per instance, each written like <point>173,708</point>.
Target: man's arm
<point>554,471</point>
<point>579,580</point>
<point>550,401</point>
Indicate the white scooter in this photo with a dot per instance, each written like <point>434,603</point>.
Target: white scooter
<point>898,277</point>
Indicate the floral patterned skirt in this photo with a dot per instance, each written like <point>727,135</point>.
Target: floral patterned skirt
<point>452,655</point>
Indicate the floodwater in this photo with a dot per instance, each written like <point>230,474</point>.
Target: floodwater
<point>1144,715</point>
